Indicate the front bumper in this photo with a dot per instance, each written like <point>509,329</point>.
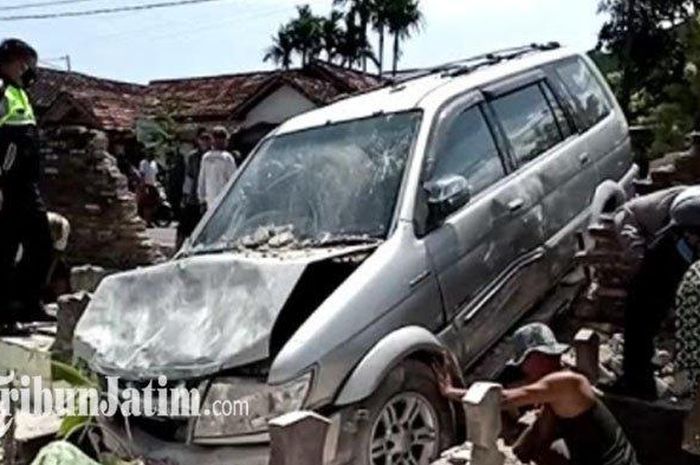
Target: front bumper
<point>145,445</point>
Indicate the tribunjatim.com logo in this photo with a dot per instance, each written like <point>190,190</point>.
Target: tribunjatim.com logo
<point>155,399</point>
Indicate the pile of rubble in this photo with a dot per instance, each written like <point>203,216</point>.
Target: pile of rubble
<point>82,183</point>
<point>670,387</point>
<point>70,307</point>
<point>673,169</point>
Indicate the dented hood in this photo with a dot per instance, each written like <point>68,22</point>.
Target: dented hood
<point>191,317</point>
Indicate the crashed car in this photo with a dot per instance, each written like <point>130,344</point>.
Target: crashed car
<point>356,244</point>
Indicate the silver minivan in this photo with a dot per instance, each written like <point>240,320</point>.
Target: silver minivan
<point>359,241</point>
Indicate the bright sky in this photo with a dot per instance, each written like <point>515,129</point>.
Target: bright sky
<point>231,35</point>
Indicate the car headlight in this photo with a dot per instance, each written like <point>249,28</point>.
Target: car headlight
<point>235,407</point>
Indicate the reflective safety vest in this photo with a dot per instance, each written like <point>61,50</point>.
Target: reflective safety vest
<point>15,109</point>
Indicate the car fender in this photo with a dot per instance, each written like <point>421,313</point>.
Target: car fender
<point>382,358</point>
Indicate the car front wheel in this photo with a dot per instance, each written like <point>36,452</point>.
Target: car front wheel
<point>407,420</point>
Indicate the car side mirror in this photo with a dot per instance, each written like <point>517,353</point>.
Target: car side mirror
<point>446,195</point>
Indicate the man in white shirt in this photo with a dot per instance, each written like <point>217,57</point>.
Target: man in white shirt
<point>148,196</point>
<point>148,168</point>
<point>218,166</point>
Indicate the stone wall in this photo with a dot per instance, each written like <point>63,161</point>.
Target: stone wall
<point>82,182</point>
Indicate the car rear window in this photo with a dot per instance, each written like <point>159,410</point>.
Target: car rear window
<point>590,102</point>
<point>528,121</point>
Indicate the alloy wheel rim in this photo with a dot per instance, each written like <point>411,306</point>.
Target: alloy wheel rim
<point>405,432</point>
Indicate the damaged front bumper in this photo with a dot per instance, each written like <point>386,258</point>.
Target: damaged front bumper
<point>137,443</point>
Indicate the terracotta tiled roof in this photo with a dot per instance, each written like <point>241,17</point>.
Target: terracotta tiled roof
<point>212,97</point>
<point>226,96</point>
<point>116,105</point>
<point>112,104</point>
<point>354,80</point>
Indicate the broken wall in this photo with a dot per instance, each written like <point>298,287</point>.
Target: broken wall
<point>82,182</point>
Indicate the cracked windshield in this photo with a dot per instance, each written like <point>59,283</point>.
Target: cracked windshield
<point>328,185</point>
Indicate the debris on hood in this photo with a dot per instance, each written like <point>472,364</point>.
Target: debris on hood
<point>278,239</point>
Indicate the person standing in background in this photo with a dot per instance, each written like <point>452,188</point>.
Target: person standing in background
<point>149,198</point>
<point>218,166</point>
<point>191,211</point>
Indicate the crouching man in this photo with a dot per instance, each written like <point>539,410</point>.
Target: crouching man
<point>566,406</point>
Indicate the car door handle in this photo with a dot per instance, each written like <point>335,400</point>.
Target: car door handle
<point>584,158</point>
<point>515,205</point>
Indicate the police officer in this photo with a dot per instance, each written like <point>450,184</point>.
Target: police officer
<point>23,219</point>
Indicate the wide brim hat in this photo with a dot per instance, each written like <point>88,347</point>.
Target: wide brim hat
<point>535,338</point>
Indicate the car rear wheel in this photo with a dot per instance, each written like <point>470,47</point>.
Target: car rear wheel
<point>407,421</point>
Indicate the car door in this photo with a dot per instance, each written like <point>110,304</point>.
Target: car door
<point>477,250</point>
<point>553,161</point>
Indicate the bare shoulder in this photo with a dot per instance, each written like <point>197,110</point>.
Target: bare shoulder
<point>574,393</point>
<point>568,381</point>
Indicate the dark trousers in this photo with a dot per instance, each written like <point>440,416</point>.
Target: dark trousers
<point>651,299</point>
<point>190,215</point>
<point>23,221</point>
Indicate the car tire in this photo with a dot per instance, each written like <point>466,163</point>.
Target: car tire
<point>411,385</point>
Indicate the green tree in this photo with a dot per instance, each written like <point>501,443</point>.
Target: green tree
<point>353,46</point>
<point>360,15</point>
<point>306,31</point>
<point>380,19</point>
<point>282,48</point>
<point>403,18</point>
<point>331,34</point>
<point>643,35</point>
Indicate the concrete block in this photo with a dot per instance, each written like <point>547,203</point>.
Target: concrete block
<point>487,456</point>
<point>28,355</point>
<point>587,347</point>
<point>482,405</point>
<point>70,309</point>
<point>87,278</point>
<point>298,438</point>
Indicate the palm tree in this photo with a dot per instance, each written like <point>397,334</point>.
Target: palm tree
<point>282,48</point>
<point>331,34</point>
<point>403,18</point>
<point>360,13</point>
<point>306,33</point>
<point>379,24</point>
<point>353,46</point>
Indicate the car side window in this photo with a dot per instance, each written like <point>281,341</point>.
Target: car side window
<point>468,149</point>
<point>562,120</point>
<point>590,102</point>
<point>528,122</point>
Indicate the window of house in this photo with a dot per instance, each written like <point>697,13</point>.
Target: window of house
<point>468,149</point>
<point>528,121</point>
<point>589,98</point>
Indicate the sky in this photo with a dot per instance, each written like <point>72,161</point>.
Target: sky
<point>228,36</point>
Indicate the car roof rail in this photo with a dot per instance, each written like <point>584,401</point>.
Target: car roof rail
<point>468,65</point>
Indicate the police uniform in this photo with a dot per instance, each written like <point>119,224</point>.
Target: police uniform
<point>23,219</point>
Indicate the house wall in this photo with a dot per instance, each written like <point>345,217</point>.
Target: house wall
<point>82,182</point>
<point>279,106</point>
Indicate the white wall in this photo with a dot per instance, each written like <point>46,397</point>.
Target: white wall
<point>279,106</point>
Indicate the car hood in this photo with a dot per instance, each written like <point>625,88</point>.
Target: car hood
<point>191,317</point>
